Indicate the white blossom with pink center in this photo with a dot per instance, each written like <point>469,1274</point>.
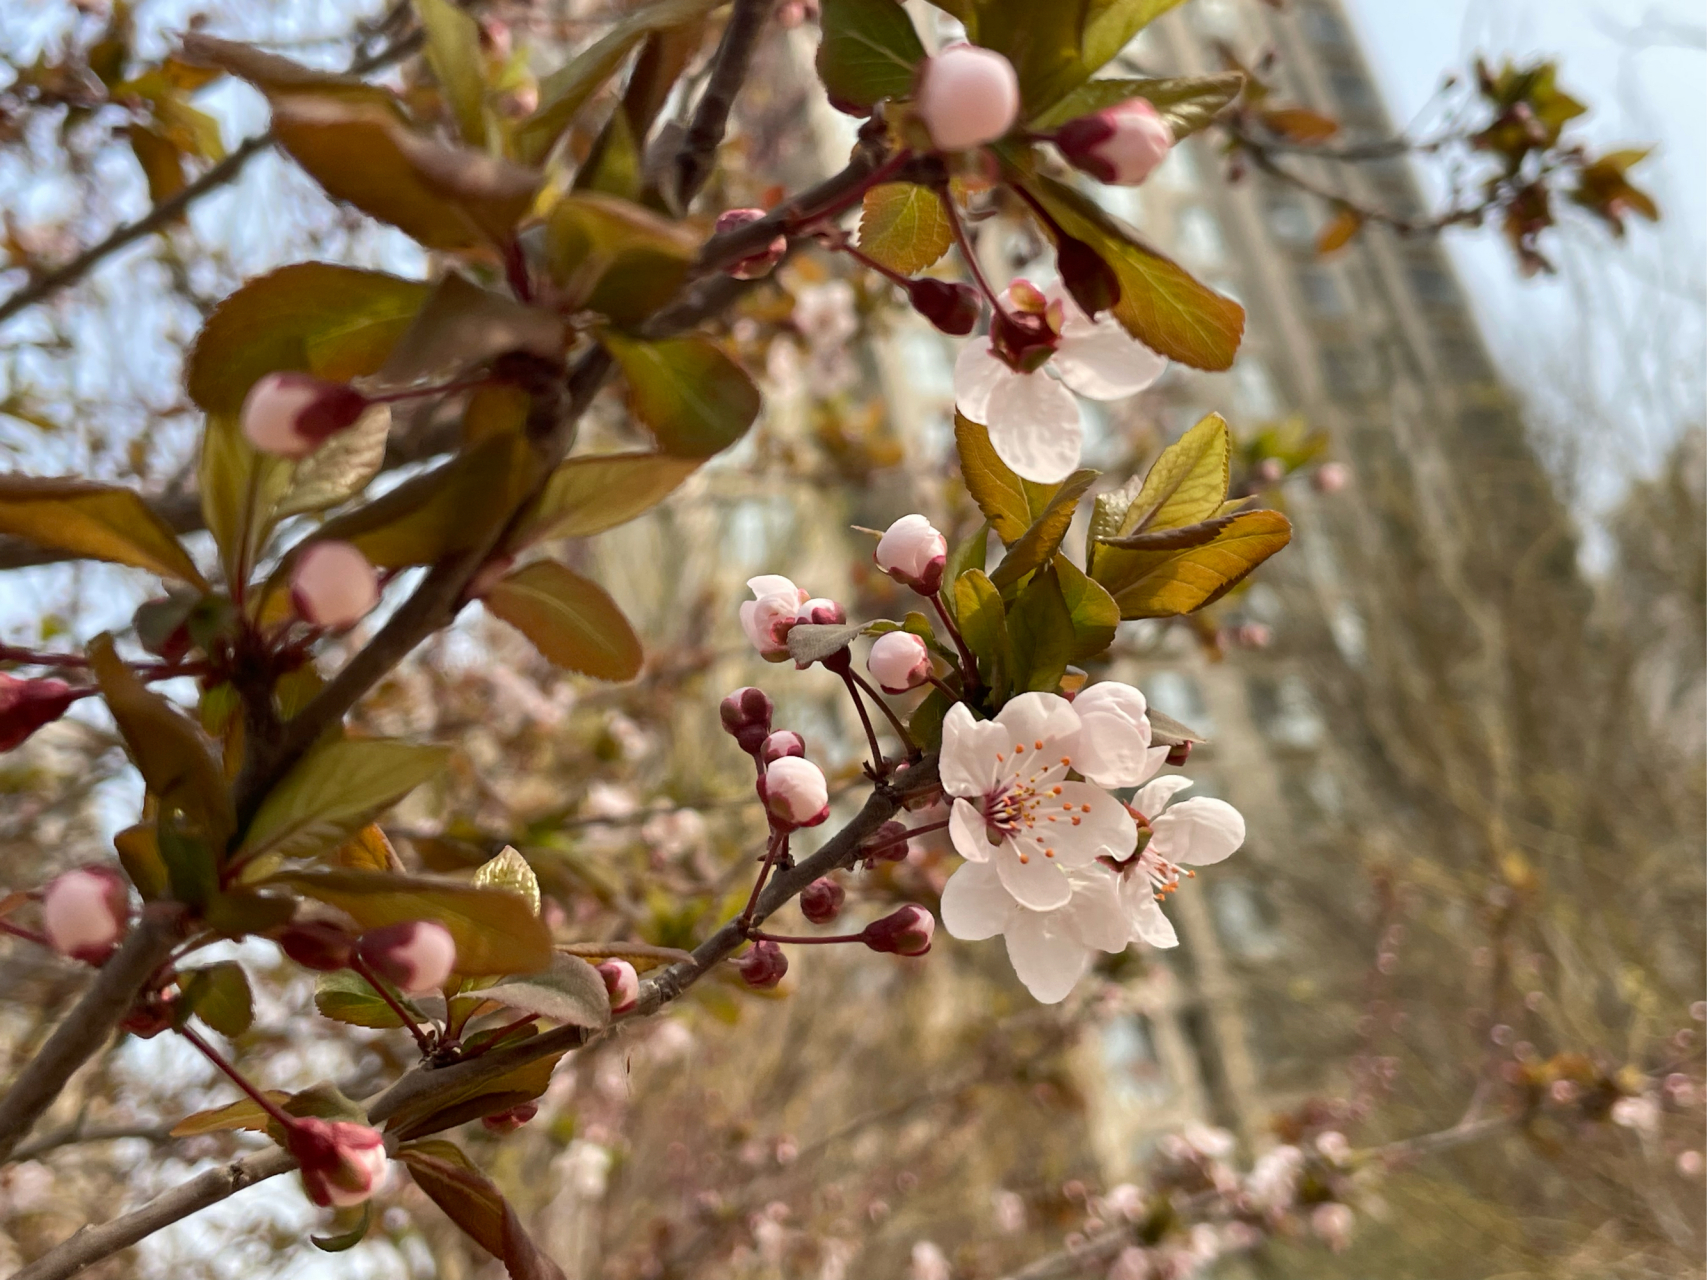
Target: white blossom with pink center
<point>767,617</point>
<point>1033,418</point>
<point>1193,833</point>
<point>1013,805</point>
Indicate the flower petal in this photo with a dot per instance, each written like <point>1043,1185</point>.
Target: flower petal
<point>966,828</point>
<point>981,377</point>
<point>1101,361</point>
<point>968,762</point>
<point>1038,883</point>
<point>1198,832</point>
<point>1094,916</point>
<point>1154,798</point>
<point>1035,428</point>
<point>1042,722</point>
<point>1145,913</point>
<point>772,584</point>
<point>975,906</point>
<point>1105,829</point>
<point>1047,958</point>
<point>1114,740</point>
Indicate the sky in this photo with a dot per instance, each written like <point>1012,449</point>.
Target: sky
<point>1610,351</point>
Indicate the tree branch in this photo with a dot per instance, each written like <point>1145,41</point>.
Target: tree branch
<point>697,158</point>
<point>77,1135</point>
<point>85,1029</point>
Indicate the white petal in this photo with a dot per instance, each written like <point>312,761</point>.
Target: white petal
<point>966,829</point>
<point>980,378</point>
<point>968,762</point>
<point>1084,823</point>
<point>1048,959</point>
<point>772,584</point>
<point>1198,833</point>
<point>1114,741</point>
<point>1101,361</point>
<point>974,903</point>
<point>1094,916</point>
<point>1154,798</point>
<point>1035,428</point>
<point>1042,722</point>
<point>1037,883</point>
<point>1145,914</point>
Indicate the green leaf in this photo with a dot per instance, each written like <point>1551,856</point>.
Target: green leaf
<point>176,762</point>
<point>494,930</point>
<point>904,226</point>
<point>1111,24</point>
<point>98,521</point>
<point>984,627</point>
<point>354,1219</point>
<point>615,166</point>
<point>924,726</point>
<point>481,1097</point>
<point>453,52</point>
<point>570,991</point>
<point>219,995</point>
<point>971,553</point>
<point>870,51</point>
<point>344,996</point>
<point>1160,584</point>
<point>591,494</point>
<point>1161,303</point>
<point>565,91</point>
<point>1040,542</point>
<point>1042,42</point>
<point>332,321</point>
<point>139,854</point>
<point>444,196</point>
<point>571,620</point>
<point>192,867</point>
<point>1094,613</point>
<point>696,400</point>
<point>469,1199</point>
<point>510,871</point>
<point>240,491</point>
<point>461,325</point>
<point>341,468</point>
<point>1010,504</point>
<point>1186,483</point>
<point>1041,627</point>
<point>1187,103</point>
<point>274,75</point>
<point>336,790</point>
<point>614,257</point>
<point>245,1113</point>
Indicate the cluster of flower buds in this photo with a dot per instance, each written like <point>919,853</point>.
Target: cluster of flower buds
<point>85,912</point>
<point>888,843</point>
<point>758,265</point>
<point>1121,145</point>
<point>342,1163</point>
<point>333,585</point>
<point>293,414</point>
<point>966,96</point>
<point>762,965</point>
<point>903,932</point>
<point>417,956</point>
<point>746,716</point>
<point>622,984</point>
<point>26,705</point>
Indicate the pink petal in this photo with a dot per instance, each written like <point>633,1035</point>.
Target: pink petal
<point>1114,742</point>
<point>1145,913</point>
<point>1154,798</point>
<point>975,906</point>
<point>1199,832</point>
<point>980,378</point>
<point>1037,883</point>
<point>1101,361</point>
<point>1045,955</point>
<point>969,747</point>
<point>966,829</point>
<point>1094,916</point>
<point>1035,428</point>
<point>1041,722</point>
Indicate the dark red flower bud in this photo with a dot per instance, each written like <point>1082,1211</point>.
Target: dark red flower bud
<point>511,1120</point>
<point>784,742</point>
<point>746,716</point>
<point>149,1016</point>
<point>887,844</point>
<point>419,955</point>
<point>317,944</point>
<point>762,965</point>
<point>26,705</point>
<point>953,308</point>
<point>1179,753</point>
<point>1087,275</point>
<point>906,932</point>
<point>821,901</point>
<point>293,414</point>
<point>342,1163</point>
<point>1023,339</point>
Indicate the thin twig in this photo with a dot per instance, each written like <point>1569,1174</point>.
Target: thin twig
<point>76,1135</point>
<point>697,158</point>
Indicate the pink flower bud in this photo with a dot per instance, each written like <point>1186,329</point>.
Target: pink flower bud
<point>317,944</point>
<point>1333,1223</point>
<point>26,705</point>
<point>795,792</point>
<point>1122,144</point>
<point>966,97</point>
<point>754,266</point>
<point>906,932</point>
<point>511,1120</point>
<point>293,414</point>
<point>342,1163</point>
<point>769,616</point>
<point>762,965</point>
<point>746,716</point>
<point>899,661</point>
<point>913,553</point>
<point>952,308</point>
<point>1331,477</point>
<point>821,901</point>
<point>1271,471</point>
<point>823,612</point>
<point>784,742</point>
<point>333,585</point>
<point>622,984</point>
<point>417,956</point>
<point>84,913</point>
<point>888,843</point>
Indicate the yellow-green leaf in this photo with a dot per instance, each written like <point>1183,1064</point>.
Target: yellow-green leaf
<point>570,619</point>
<point>453,52</point>
<point>695,400</point>
<point>1041,629</point>
<point>904,226</point>
<point>1187,103</point>
<point>983,625</point>
<point>1111,24</point>
<point>869,51</point>
<point>219,995</point>
<point>245,1113</point>
<point>1160,584</point>
<point>1094,612</point>
<point>615,257</point>
<point>101,522</point>
<point>1186,483</point>
<point>1000,494</point>
<point>335,790</point>
<point>1038,544</point>
<point>589,495</point>
<point>509,870</point>
<point>344,996</point>
<point>368,850</point>
<point>341,468</point>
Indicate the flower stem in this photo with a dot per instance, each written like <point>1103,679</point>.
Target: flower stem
<point>966,252</point>
<point>378,984</point>
<point>28,935</point>
<point>778,843</point>
<point>945,689</point>
<point>804,941</point>
<point>882,173</point>
<point>237,1077</point>
<point>849,679</point>
<point>968,664</point>
<point>895,721</point>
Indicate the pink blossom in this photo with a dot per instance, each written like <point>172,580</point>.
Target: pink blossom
<point>419,956</point>
<point>622,984</point>
<point>342,1163</point>
<point>913,553</point>
<point>966,97</point>
<point>795,792</point>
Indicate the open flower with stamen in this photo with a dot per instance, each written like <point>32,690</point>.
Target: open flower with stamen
<point>1003,380</point>
<point>1049,950</point>
<point>1014,806</point>
<point>1193,833</point>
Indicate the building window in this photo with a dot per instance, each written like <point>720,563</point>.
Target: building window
<point>1322,292</point>
<point>1253,391</point>
<point>1199,237</point>
<point>1347,370</point>
<point>1285,711</point>
<point>1131,1063</point>
<point>1244,919</point>
<point>1433,286</point>
<point>1176,694</point>
<point>1289,220</point>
